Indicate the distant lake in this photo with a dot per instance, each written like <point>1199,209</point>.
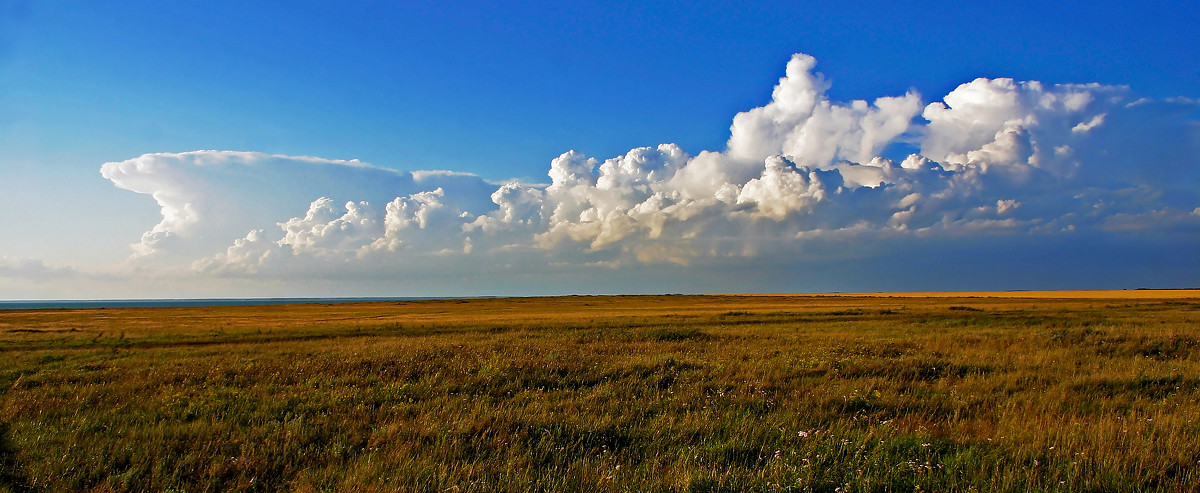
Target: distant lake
<point>44,304</point>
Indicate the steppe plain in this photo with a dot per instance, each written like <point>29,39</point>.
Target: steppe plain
<point>1015,391</point>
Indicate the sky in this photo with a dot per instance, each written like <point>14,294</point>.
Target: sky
<point>217,149</point>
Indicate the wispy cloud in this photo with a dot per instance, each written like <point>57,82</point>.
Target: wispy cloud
<point>32,269</point>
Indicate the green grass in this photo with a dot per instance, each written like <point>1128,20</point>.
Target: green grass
<point>672,393</point>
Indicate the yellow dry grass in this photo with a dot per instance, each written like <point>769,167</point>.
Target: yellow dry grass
<point>1135,294</point>
<point>1081,391</point>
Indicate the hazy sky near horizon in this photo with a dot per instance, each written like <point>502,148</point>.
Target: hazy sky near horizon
<point>194,149</point>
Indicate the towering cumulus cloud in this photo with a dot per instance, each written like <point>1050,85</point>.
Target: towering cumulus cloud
<point>995,156</point>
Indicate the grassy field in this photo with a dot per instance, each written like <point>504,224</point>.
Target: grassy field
<point>648,393</point>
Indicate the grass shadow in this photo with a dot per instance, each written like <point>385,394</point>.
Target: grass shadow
<point>12,478</point>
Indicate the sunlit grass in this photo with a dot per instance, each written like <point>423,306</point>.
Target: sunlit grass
<point>667,393</point>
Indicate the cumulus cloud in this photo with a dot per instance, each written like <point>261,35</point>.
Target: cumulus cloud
<point>801,124</point>
<point>996,156</point>
<point>1002,122</point>
<point>208,198</point>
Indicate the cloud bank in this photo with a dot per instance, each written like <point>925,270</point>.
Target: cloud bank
<point>803,179</point>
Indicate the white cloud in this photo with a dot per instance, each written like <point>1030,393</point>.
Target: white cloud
<point>801,173</point>
<point>801,124</point>
<point>1002,122</point>
<point>32,269</point>
<point>782,190</point>
<point>209,198</point>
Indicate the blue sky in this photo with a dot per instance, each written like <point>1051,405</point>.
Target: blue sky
<point>499,91</point>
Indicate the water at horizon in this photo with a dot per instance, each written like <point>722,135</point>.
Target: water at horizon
<point>187,302</point>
